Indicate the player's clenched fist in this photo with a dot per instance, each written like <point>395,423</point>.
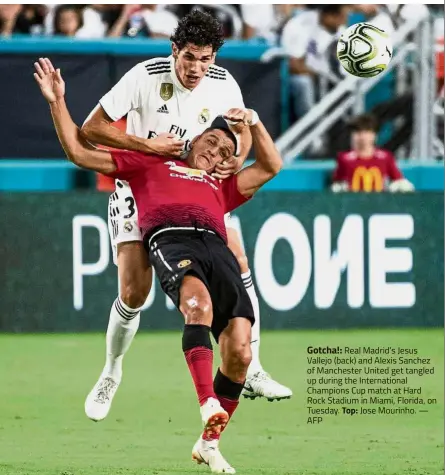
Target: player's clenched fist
<point>49,80</point>
<point>167,145</point>
<point>235,116</point>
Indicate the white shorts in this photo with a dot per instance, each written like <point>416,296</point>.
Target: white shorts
<point>123,217</point>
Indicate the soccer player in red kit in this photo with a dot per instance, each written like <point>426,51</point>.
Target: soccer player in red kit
<point>366,167</point>
<point>181,216</point>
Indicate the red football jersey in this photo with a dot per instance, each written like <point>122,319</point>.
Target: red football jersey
<point>366,174</point>
<point>171,194</point>
<point>104,182</point>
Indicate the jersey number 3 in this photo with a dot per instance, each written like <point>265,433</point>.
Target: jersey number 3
<point>131,210</point>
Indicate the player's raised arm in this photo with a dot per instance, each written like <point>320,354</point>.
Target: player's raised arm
<point>268,161</point>
<point>76,148</point>
<point>243,135</point>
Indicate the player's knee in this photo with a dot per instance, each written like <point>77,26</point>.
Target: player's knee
<point>134,295</point>
<point>240,356</point>
<point>197,310</point>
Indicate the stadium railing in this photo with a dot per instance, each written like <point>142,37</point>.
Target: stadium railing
<point>348,96</point>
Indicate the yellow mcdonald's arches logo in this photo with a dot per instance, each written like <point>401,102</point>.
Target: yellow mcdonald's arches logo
<point>367,179</point>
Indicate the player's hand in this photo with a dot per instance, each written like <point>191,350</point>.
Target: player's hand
<point>49,80</point>
<point>227,168</point>
<point>167,145</point>
<point>239,116</point>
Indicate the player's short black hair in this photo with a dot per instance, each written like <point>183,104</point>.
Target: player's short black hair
<point>364,122</point>
<point>228,133</point>
<point>198,28</point>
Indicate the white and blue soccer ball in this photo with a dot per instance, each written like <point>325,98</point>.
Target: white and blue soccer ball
<point>364,50</point>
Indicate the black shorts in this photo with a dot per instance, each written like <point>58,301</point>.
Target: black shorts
<point>176,253</point>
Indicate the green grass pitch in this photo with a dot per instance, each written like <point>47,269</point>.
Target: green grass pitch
<point>155,421</point>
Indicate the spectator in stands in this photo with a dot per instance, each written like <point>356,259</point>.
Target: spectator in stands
<point>377,15</point>
<point>22,19</point>
<point>265,20</point>
<point>366,167</point>
<point>68,20</point>
<point>144,20</point>
<point>306,40</point>
<point>401,13</point>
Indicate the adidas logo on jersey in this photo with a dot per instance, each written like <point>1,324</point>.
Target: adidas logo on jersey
<point>164,109</point>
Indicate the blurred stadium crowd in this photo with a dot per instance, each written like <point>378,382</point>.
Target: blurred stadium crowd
<point>241,21</point>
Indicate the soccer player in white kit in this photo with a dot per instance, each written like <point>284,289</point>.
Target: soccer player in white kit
<point>168,102</point>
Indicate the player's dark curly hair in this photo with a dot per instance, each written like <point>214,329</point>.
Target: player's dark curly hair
<point>200,29</point>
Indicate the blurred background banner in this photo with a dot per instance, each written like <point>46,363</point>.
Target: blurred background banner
<point>318,262</point>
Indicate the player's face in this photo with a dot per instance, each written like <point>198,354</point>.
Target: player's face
<point>363,139</point>
<point>209,149</point>
<point>192,63</point>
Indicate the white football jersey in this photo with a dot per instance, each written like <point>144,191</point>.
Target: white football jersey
<point>156,101</point>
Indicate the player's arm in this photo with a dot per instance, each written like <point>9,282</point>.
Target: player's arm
<point>244,138</point>
<point>268,161</point>
<point>234,98</point>
<point>76,148</point>
<point>99,129</point>
<point>124,97</point>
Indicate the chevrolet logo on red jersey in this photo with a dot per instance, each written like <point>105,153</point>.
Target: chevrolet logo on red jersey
<point>186,171</point>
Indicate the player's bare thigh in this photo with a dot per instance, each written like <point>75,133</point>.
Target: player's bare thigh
<point>195,302</point>
<point>234,344</point>
<point>234,243</point>
<point>135,273</point>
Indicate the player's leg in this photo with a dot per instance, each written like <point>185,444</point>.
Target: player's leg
<point>258,383</point>
<point>187,286</point>
<point>236,355</point>
<point>196,306</point>
<point>135,278</point>
<point>235,246</point>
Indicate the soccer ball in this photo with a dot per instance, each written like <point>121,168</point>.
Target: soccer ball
<point>364,50</point>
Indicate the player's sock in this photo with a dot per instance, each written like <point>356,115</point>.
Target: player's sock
<point>255,365</point>
<point>228,393</point>
<point>198,352</point>
<point>122,327</point>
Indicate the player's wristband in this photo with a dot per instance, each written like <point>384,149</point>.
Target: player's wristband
<point>255,118</point>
